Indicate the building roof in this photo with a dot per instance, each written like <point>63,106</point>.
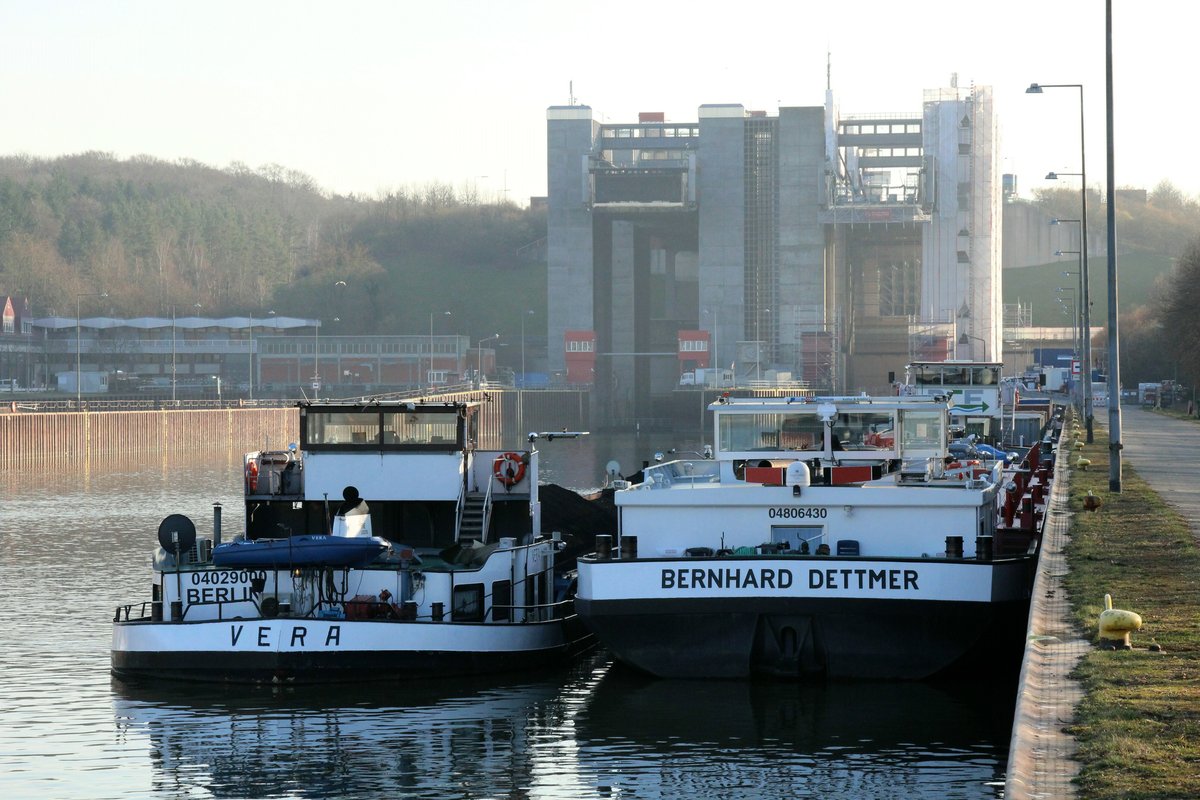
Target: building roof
<point>186,323</point>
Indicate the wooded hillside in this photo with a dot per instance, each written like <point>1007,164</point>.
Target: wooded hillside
<point>237,241</point>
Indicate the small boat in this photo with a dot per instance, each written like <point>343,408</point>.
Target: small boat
<point>834,537</point>
<point>432,563</point>
<point>300,551</point>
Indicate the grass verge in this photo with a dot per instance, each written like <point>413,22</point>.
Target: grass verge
<point>1138,726</point>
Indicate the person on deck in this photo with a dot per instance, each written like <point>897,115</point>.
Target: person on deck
<point>353,516</point>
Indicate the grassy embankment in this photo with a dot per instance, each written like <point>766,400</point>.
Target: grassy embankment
<point>1138,726</point>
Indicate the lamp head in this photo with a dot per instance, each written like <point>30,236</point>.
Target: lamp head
<point>1051,176</point>
<point>1033,89</point>
<point>1059,253</point>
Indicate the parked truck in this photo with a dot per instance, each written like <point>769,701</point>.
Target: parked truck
<point>86,382</point>
<point>712,377</point>
<point>1148,394</point>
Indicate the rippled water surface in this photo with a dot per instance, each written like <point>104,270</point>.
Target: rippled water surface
<point>75,543</point>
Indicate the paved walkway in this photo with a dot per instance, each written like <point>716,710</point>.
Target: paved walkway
<point>1165,452</point>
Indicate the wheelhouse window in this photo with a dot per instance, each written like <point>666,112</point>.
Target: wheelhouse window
<point>868,430</point>
<point>744,432</point>
<point>420,428</point>
<point>453,427</point>
<point>343,428</point>
<point>949,374</point>
<point>922,430</point>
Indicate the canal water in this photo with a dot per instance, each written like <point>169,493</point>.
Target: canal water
<point>75,541</point>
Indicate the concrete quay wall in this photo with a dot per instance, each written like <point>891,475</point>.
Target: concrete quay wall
<point>47,437</point>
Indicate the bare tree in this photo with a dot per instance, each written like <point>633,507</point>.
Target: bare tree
<point>1180,322</point>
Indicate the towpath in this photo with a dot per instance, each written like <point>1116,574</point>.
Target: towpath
<point>1165,451</point>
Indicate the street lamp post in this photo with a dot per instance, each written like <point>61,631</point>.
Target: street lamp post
<point>1085,300</point>
<point>479,358</point>
<point>271,317</point>
<point>429,374</point>
<point>1074,312</point>
<point>528,313</point>
<point>251,328</point>
<point>1115,443</point>
<point>1085,331</point>
<point>79,347</point>
<point>712,343</point>
<point>316,380</point>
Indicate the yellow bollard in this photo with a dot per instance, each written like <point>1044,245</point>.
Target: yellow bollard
<point>1116,625</point>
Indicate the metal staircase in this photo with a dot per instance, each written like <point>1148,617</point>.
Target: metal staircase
<point>473,523</point>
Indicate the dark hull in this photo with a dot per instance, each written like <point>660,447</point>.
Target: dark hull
<point>793,638</point>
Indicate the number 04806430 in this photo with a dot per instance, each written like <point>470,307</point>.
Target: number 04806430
<point>798,512</point>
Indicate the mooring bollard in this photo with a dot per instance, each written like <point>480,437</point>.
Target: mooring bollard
<point>954,546</point>
<point>983,548</point>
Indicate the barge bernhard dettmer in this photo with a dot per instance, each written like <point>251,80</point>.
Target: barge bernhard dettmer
<point>828,536</point>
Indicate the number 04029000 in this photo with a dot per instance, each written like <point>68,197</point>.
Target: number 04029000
<point>798,512</point>
<point>227,577</point>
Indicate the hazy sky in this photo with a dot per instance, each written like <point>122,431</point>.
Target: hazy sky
<point>367,96</point>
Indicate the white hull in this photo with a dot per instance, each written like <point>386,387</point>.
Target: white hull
<point>311,650</point>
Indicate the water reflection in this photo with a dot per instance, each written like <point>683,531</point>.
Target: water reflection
<point>427,740</point>
<point>592,731</point>
<point>710,739</point>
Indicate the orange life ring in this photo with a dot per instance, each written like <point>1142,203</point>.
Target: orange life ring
<point>509,468</point>
<point>252,475</point>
